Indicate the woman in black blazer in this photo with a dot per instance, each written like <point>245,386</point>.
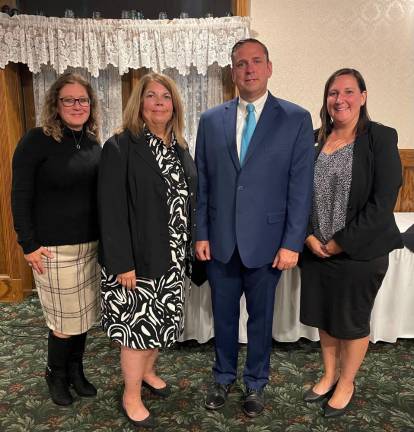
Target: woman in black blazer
<point>351,232</point>
<point>147,184</point>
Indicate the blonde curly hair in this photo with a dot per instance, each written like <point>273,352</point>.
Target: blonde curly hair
<point>51,122</point>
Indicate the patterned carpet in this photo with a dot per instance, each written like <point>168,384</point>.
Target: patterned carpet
<point>384,399</point>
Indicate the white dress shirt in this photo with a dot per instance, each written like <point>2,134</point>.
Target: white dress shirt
<point>242,113</point>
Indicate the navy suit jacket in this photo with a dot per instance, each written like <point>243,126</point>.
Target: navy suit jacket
<point>265,204</point>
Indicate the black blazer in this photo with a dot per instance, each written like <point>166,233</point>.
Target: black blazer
<point>133,211</point>
<point>370,229</point>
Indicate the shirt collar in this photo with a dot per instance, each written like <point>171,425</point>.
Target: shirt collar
<point>258,103</point>
<point>149,135</point>
<point>67,131</point>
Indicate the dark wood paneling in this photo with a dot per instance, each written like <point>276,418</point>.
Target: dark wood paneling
<point>129,80</point>
<point>11,3</point>
<point>15,275</point>
<point>240,7</point>
<point>405,201</point>
<point>26,78</point>
<point>229,89</point>
<point>136,75</point>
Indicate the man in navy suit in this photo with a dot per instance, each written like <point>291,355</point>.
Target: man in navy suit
<point>254,156</point>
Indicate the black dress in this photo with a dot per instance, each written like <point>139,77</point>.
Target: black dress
<point>337,293</point>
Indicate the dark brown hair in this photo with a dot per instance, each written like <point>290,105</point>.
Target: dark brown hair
<point>327,124</point>
<point>51,122</point>
<point>241,42</point>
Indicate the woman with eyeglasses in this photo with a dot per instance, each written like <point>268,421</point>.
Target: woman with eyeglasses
<point>54,204</point>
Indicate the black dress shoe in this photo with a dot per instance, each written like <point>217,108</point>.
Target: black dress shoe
<point>310,396</point>
<point>253,403</point>
<point>330,412</point>
<point>161,392</point>
<point>216,395</point>
<point>147,423</point>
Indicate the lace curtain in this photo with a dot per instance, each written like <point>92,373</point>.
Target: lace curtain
<point>125,44</point>
<point>191,51</point>
<point>199,92</point>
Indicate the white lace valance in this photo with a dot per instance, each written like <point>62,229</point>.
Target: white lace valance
<point>94,44</point>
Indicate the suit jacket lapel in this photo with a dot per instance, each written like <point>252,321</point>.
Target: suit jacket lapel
<point>266,121</point>
<point>318,149</point>
<point>360,165</point>
<point>143,150</point>
<point>230,121</point>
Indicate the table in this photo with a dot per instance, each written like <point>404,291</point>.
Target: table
<point>392,316</point>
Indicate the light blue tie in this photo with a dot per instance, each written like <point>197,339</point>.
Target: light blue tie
<point>248,130</point>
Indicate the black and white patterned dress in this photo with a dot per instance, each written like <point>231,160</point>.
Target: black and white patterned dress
<point>152,315</point>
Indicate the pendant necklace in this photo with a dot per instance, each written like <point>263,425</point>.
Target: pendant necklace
<point>77,143</point>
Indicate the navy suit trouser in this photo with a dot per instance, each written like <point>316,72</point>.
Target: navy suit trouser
<point>228,282</point>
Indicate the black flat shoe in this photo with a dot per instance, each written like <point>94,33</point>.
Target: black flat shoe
<point>330,412</point>
<point>310,396</point>
<point>147,423</point>
<point>216,396</point>
<point>253,403</point>
<point>161,392</point>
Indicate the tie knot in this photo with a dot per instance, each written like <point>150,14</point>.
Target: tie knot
<point>250,108</point>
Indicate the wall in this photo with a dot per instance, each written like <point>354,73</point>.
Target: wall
<point>310,39</point>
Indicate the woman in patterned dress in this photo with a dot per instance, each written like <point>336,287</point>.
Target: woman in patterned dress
<point>54,203</point>
<point>147,184</point>
<point>352,231</point>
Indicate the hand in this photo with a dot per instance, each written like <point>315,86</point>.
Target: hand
<point>202,250</point>
<point>128,280</point>
<point>34,259</point>
<point>316,247</point>
<point>285,259</point>
<point>332,247</point>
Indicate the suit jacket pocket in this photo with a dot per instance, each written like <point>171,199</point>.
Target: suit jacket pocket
<point>275,217</point>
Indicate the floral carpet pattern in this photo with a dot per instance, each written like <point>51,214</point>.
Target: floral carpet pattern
<point>384,400</point>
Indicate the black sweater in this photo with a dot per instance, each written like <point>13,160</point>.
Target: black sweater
<point>54,199</point>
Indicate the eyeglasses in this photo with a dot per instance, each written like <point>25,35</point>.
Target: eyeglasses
<point>68,101</point>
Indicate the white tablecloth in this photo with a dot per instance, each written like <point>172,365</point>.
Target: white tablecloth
<point>392,316</point>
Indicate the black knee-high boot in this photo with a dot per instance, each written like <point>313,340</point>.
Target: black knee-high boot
<point>75,367</point>
<point>56,369</point>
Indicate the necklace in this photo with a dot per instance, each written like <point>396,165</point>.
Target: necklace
<point>77,143</point>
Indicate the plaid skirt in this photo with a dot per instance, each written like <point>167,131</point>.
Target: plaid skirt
<point>69,289</point>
